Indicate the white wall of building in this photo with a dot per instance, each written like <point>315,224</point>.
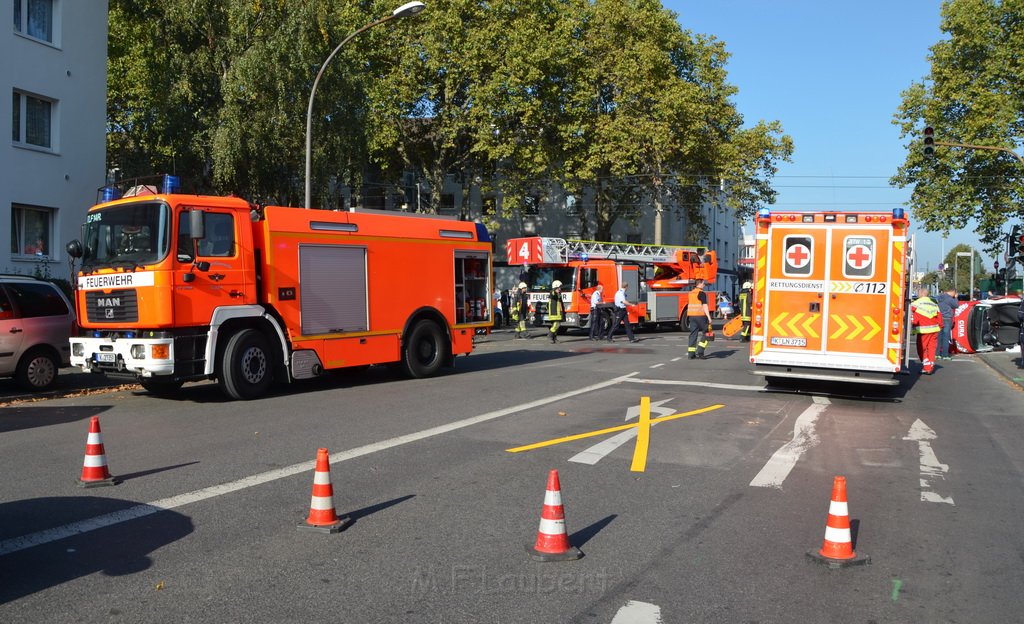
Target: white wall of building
<point>70,72</point>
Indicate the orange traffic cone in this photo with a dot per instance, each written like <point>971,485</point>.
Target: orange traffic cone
<point>94,468</point>
<point>552,541</point>
<point>837,549</point>
<point>322,517</point>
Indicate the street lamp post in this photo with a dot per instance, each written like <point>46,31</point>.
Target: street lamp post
<point>406,10</point>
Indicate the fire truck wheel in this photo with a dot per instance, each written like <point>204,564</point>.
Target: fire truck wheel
<point>245,370</point>
<point>160,387</point>
<point>684,321</point>
<point>425,350</point>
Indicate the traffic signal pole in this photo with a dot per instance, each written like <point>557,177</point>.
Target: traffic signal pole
<point>990,148</point>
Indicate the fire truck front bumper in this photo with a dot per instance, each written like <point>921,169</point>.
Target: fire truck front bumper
<point>143,357</point>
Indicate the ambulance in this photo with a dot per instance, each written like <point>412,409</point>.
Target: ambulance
<point>176,287</point>
<point>829,296</point>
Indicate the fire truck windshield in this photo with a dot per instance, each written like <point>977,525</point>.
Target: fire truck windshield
<point>128,235</point>
<point>540,278</point>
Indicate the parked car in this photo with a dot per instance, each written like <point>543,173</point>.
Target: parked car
<point>986,325</point>
<point>36,321</point>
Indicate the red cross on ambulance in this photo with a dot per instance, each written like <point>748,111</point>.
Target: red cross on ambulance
<point>860,256</point>
<point>798,255</point>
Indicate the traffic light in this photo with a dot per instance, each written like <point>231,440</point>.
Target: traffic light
<point>929,142</point>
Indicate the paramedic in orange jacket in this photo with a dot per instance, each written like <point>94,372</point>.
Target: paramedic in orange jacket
<point>927,323</point>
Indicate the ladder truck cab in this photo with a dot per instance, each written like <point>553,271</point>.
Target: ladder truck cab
<point>658,278</point>
<point>829,298</point>
<point>176,288</point>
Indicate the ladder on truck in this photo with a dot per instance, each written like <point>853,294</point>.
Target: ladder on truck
<point>562,250</point>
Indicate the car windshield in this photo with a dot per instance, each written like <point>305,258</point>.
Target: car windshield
<point>540,278</point>
<point>128,235</point>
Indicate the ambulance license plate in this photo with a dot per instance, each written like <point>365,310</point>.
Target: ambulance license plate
<point>106,357</point>
<point>785,341</point>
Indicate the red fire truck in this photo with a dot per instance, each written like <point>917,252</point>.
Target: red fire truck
<point>176,288</point>
<point>658,278</point>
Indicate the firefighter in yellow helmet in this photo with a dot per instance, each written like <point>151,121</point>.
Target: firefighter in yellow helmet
<point>520,310</point>
<point>556,309</point>
<point>746,295</point>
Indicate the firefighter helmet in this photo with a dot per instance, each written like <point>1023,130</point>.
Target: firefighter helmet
<point>521,285</point>
<point>556,284</point>
<point>747,285</point>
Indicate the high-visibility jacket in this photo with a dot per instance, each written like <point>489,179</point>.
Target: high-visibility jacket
<point>556,308</point>
<point>694,306</point>
<point>744,305</point>
<point>926,319</point>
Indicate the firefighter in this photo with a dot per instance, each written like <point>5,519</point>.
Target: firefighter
<point>927,323</point>
<point>700,320</point>
<point>744,301</point>
<point>520,310</point>
<point>556,309</point>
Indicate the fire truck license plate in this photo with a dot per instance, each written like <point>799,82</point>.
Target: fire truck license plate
<point>784,341</point>
<point>106,357</point>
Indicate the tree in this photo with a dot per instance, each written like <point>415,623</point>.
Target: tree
<point>973,94</point>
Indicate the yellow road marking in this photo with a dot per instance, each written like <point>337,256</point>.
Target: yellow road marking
<point>591,434</point>
<point>643,436</point>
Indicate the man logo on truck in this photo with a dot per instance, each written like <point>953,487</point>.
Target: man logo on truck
<point>798,255</point>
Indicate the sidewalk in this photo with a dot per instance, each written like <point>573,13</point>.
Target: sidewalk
<point>1005,363</point>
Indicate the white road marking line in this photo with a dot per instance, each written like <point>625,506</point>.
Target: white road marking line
<point>702,384</point>
<point>601,450</point>
<point>676,359</point>
<point>46,536</point>
<point>782,462</point>
<point>931,467</point>
<point>635,612</point>
<point>657,365</point>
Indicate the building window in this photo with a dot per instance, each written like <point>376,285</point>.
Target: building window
<point>34,18</point>
<point>31,231</point>
<point>531,205</point>
<point>490,206</point>
<point>31,120</point>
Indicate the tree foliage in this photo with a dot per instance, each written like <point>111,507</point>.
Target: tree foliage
<point>957,271</point>
<point>525,95</point>
<point>973,94</point>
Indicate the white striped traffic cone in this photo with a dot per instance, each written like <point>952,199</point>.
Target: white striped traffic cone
<point>552,541</point>
<point>837,549</point>
<point>94,467</point>
<point>322,517</point>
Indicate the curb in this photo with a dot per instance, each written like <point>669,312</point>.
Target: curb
<point>1007,374</point>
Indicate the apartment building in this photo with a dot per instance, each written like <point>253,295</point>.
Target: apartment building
<point>54,78</point>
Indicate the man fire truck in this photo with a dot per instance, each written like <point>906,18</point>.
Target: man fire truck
<point>828,298</point>
<point>177,288</point>
<point>657,277</point>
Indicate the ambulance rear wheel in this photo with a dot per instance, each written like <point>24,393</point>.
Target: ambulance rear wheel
<point>246,366</point>
<point>425,350</point>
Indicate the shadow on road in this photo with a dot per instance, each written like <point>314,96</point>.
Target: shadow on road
<point>372,509</point>
<point>143,473</point>
<point>27,417</point>
<point>116,550</point>
<point>584,535</point>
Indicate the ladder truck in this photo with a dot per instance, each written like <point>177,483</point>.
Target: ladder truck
<point>658,278</point>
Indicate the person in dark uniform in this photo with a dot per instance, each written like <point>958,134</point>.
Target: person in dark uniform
<point>700,320</point>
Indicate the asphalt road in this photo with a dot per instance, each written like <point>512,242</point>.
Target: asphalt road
<point>202,527</point>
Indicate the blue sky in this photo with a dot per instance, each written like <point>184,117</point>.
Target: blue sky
<point>832,73</point>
